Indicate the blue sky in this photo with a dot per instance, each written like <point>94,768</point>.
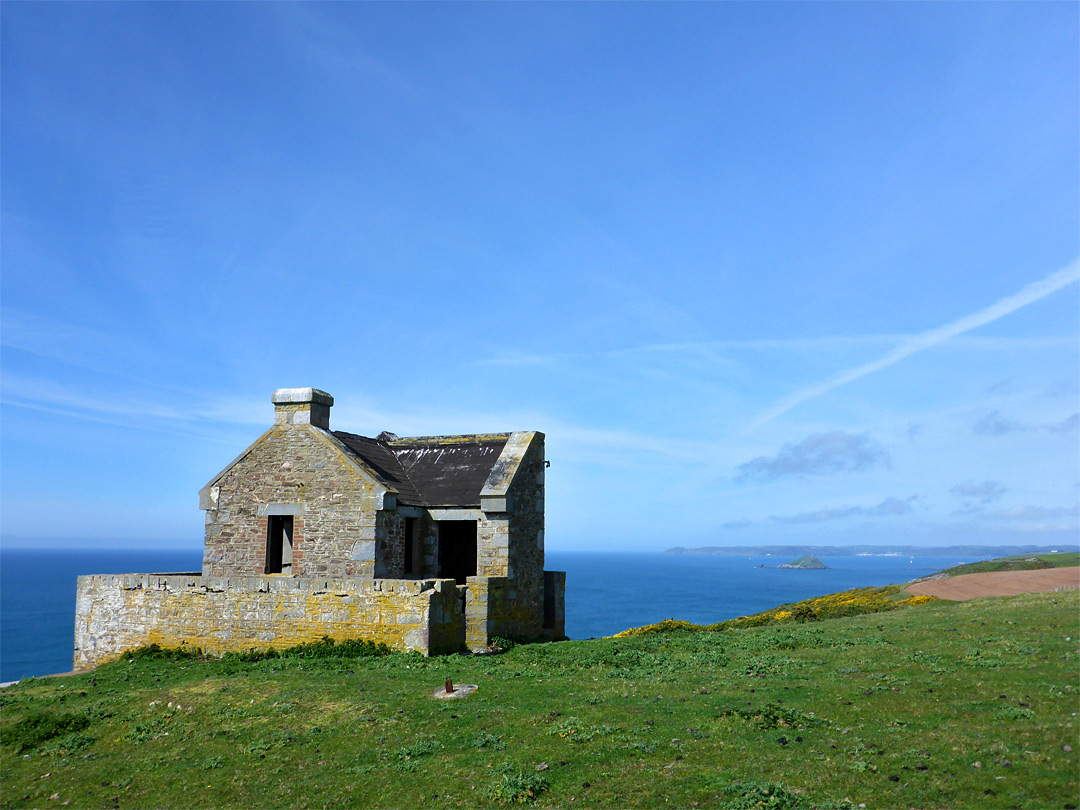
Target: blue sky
<point>763,273</point>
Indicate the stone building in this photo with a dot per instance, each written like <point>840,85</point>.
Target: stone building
<point>432,544</point>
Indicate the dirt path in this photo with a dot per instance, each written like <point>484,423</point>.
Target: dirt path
<point>998,583</point>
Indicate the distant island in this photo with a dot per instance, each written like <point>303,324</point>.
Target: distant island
<point>809,561</point>
<point>975,552</point>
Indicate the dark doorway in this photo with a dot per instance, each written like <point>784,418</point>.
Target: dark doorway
<point>410,547</point>
<point>279,536</point>
<point>457,549</point>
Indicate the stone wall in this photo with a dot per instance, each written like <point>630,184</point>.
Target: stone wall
<point>527,544</point>
<point>492,609</point>
<point>389,545</point>
<point>486,610</point>
<point>338,517</point>
<point>493,545</point>
<point>506,598</point>
<point>429,543</point>
<point>119,612</point>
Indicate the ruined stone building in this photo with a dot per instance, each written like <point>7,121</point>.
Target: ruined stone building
<point>432,544</point>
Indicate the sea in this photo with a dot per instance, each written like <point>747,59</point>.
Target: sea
<point>605,592</point>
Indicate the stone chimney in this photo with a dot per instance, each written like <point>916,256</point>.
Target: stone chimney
<point>302,406</point>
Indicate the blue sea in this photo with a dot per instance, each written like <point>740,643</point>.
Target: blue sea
<point>605,592</point>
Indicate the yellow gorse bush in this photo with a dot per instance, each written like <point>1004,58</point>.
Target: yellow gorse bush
<point>834,605</point>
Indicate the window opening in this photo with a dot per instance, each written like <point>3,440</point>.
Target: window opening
<point>279,544</point>
<point>457,549</point>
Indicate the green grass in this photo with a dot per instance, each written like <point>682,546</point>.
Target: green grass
<point>945,704</point>
<point>1029,562</point>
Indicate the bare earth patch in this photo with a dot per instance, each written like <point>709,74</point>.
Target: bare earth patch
<point>998,583</point>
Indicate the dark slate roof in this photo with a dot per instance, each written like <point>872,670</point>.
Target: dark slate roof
<point>431,471</point>
<point>382,461</point>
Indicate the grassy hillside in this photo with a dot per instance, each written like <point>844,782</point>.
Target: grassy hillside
<point>940,704</point>
<point>1027,562</point>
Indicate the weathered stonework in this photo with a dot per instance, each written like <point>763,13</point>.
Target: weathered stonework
<point>311,532</point>
<point>340,525</point>
<point>217,615</point>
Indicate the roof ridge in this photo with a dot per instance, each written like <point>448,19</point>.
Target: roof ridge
<point>432,470</point>
<point>464,438</point>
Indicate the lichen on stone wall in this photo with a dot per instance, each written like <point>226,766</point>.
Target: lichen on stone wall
<point>116,613</point>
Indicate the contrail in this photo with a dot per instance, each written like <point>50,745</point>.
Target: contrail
<point>925,340</point>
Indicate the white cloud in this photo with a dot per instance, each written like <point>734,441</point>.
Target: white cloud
<point>889,506</point>
<point>985,492</point>
<point>1065,425</point>
<point>820,454</point>
<point>1033,292</point>
<point>994,424</point>
<point>1037,512</point>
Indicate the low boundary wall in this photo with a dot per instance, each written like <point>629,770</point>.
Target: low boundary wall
<point>495,607</point>
<point>119,612</point>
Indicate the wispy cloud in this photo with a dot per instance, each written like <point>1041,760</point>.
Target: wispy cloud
<point>1001,387</point>
<point>888,507</point>
<point>121,413</point>
<point>825,343</point>
<point>1068,425</point>
<point>994,424</point>
<point>736,524</point>
<point>932,337</point>
<point>820,454</point>
<point>986,492</point>
<point>914,429</point>
<point>314,36</point>
<point>1037,513</point>
<point>360,414</point>
<point>73,344</point>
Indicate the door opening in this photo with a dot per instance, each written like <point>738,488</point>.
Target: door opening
<point>411,555</point>
<point>457,549</point>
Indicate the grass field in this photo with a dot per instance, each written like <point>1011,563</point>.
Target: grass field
<point>1027,562</point>
<point>937,705</point>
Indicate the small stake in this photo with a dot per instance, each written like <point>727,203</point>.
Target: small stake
<point>449,686</point>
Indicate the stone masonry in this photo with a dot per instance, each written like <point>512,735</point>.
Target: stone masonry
<point>218,615</point>
<point>312,532</point>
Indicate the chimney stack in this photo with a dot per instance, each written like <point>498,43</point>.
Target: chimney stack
<point>302,406</point>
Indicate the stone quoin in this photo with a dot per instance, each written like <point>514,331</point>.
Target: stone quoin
<point>433,544</point>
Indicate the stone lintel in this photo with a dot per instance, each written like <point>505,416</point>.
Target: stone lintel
<point>455,514</point>
<point>497,504</point>
<point>280,509</point>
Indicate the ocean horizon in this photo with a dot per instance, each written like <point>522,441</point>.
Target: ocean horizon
<point>606,592</point>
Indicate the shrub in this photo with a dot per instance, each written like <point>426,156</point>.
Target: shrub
<point>769,717</point>
<point>69,743</point>
<point>420,749</point>
<point>155,652</point>
<point>486,740</point>
<point>39,727</point>
<point>748,795</point>
<point>855,602</point>
<point>1014,713</point>
<point>326,647</point>
<point>518,787</point>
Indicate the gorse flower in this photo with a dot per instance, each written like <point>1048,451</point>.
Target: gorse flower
<point>846,603</point>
